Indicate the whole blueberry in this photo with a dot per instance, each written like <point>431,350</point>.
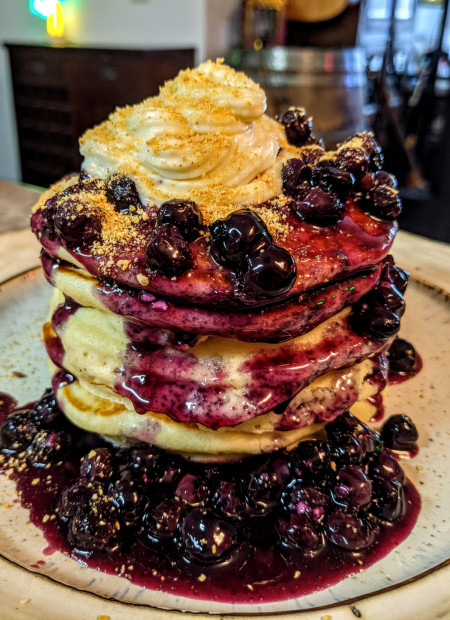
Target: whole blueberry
<point>192,490</point>
<point>184,215</point>
<point>97,465</point>
<point>399,432</point>
<point>298,532</point>
<point>348,531</point>
<point>387,295</point>
<point>71,498</point>
<point>303,498</point>
<point>94,530</point>
<point>121,192</point>
<point>385,178</point>
<point>236,236</point>
<point>297,126</point>
<point>388,501</point>
<point>49,446</point>
<point>385,467</point>
<point>262,487</point>
<point>127,496</point>
<point>399,278</point>
<point>47,409</point>
<point>160,521</point>
<point>296,176</point>
<point>348,426</point>
<point>227,500</point>
<point>382,201</point>
<point>354,160</point>
<point>310,461</point>
<point>205,539</point>
<point>402,356</point>
<point>270,272</point>
<point>335,180</point>
<point>75,225</point>
<point>374,321</point>
<point>17,430</point>
<point>353,489</point>
<point>319,207</point>
<point>168,253</point>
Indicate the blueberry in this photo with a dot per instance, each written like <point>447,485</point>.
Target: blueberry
<point>347,449</point>
<point>366,182</point>
<point>387,295</point>
<point>348,531</point>
<point>270,272</point>
<point>353,489</point>
<point>302,498</point>
<point>160,522</point>
<point>49,446</point>
<point>129,500</point>
<point>335,180</point>
<point>97,465</point>
<point>346,424</point>
<point>192,490</point>
<point>296,176</point>
<point>382,177</point>
<point>75,225</point>
<point>227,501</point>
<point>298,532</point>
<point>297,126</point>
<point>205,539</point>
<point>91,530</point>
<point>46,410</point>
<point>184,215</point>
<point>388,502</point>
<point>402,356</point>
<point>262,488</point>
<point>374,321</point>
<point>382,201</point>
<point>71,498</point>
<point>353,160</point>
<point>398,277</point>
<point>236,236</point>
<point>168,253</point>
<point>385,467</point>
<point>17,430</point>
<point>311,460</point>
<point>399,433</point>
<point>318,207</point>
<point>370,148</point>
<point>121,192</point>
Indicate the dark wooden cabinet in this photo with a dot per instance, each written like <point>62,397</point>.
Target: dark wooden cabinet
<point>59,92</point>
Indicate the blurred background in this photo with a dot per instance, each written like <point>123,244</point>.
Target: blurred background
<point>380,65</point>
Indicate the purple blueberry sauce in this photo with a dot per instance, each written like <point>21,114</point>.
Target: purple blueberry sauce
<point>275,323</point>
<point>254,531</point>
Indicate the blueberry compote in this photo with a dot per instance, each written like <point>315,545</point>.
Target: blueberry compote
<point>259,530</point>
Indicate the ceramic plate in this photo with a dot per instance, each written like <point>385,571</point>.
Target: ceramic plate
<point>39,583</point>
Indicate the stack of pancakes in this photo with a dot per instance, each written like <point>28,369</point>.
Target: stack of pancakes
<point>190,361</point>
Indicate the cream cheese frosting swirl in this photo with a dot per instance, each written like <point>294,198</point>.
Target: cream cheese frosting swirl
<point>204,137</point>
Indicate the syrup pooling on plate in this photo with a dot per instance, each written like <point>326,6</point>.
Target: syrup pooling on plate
<point>223,295</point>
<point>210,531</point>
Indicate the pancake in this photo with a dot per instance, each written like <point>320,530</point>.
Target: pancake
<point>216,382</point>
<point>222,283</point>
<point>97,409</point>
<point>276,323</point>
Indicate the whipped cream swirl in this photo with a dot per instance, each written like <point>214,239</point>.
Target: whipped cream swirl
<point>204,137</point>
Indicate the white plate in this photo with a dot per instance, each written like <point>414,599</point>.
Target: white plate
<point>419,565</point>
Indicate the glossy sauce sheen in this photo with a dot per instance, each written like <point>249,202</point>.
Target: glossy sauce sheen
<point>267,576</point>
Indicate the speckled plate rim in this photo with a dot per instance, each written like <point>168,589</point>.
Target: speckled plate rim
<point>441,571</point>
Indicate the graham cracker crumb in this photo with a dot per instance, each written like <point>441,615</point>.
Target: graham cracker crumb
<point>143,280</point>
